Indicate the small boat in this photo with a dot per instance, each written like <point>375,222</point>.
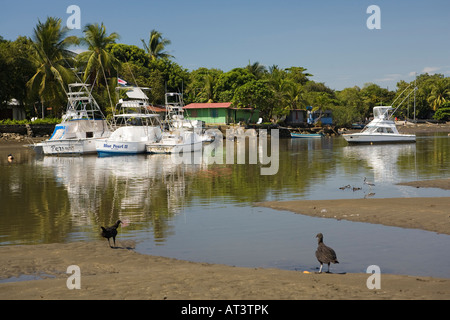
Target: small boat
<point>182,135</point>
<point>83,124</point>
<point>306,135</point>
<point>136,126</point>
<point>381,129</point>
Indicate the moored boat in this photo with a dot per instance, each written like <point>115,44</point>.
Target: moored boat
<point>182,135</point>
<point>136,126</point>
<point>83,124</point>
<point>381,129</point>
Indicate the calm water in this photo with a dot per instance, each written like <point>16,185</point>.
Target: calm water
<point>204,212</point>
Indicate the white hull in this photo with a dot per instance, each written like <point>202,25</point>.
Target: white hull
<point>378,138</point>
<point>179,141</point>
<point>69,146</point>
<point>128,140</point>
<point>161,148</point>
<point>112,147</point>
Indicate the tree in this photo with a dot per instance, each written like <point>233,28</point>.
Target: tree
<point>156,45</point>
<point>99,64</point>
<point>53,61</point>
<point>128,53</point>
<point>229,81</point>
<point>439,93</point>
<point>254,94</point>
<point>201,85</point>
<point>257,69</point>
<point>98,60</point>
<point>443,113</point>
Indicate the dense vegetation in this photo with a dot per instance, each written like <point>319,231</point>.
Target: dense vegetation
<point>36,72</point>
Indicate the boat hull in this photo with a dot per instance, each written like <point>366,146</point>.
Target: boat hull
<point>161,148</point>
<point>68,146</point>
<point>379,138</point>
<point>111,147</point>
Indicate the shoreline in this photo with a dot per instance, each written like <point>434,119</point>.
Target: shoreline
<point>430,214</point>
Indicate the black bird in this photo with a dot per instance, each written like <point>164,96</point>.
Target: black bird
<point>111,232</point>
<point>325,254</point>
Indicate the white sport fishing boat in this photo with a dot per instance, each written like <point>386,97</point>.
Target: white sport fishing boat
<point>83,124</point>
<point>381,129</point>
<point>181,135</point>
<point>136,126</point>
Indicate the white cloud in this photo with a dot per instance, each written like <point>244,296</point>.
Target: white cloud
<point>430,69</point>
<point>390,77</point>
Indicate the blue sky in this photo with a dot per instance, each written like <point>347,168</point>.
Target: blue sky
<point>329,37</point>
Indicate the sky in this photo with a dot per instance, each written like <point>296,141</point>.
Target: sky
<point>330,38</point>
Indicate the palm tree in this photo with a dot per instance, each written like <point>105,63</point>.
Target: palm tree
<point>53,61</point>
<point>257,69</point>
<point>100,63</point>
<point>156,45</point>
<point>439,92</point>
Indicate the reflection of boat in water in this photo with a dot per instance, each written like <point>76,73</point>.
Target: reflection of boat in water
<point>125,185</point>
<point>137,126</point>
<point>384,160</point>
<point>381,129</point>
<point>83,124</point>
<point>182,134</point>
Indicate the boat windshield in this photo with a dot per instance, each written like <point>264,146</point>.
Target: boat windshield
<point>381,112</point>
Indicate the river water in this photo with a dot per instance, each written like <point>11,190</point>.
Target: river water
<point>204,212</point>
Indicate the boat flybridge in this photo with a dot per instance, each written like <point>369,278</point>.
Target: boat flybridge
<point>381,129</point>
<point>82,125</point>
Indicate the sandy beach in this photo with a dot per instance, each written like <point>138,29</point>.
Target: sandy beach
<point>38,272</point>
<point>122,274</point>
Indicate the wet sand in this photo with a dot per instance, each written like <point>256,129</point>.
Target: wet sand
<point>122,274</point>
<point>431,214</point>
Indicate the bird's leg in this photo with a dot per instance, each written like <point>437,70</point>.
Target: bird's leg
<point>114,238</point>
<point>320,270</point>
<point>109,243</point>
<point>328,268</point>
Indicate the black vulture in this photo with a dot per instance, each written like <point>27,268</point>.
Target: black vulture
<point>325,254</point>
<point>111,232</point>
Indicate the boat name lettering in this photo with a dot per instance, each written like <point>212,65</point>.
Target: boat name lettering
<point>115,146</point>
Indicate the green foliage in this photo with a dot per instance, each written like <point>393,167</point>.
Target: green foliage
<point>254,94</point>
<point>443,113</point>
<point>52,61</point>
<point>24,122</point>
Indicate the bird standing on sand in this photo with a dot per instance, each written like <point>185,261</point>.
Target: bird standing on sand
<point>325,254</point>
<point>111,232</point>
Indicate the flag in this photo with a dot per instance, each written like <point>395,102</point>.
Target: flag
<point>121,82</point>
